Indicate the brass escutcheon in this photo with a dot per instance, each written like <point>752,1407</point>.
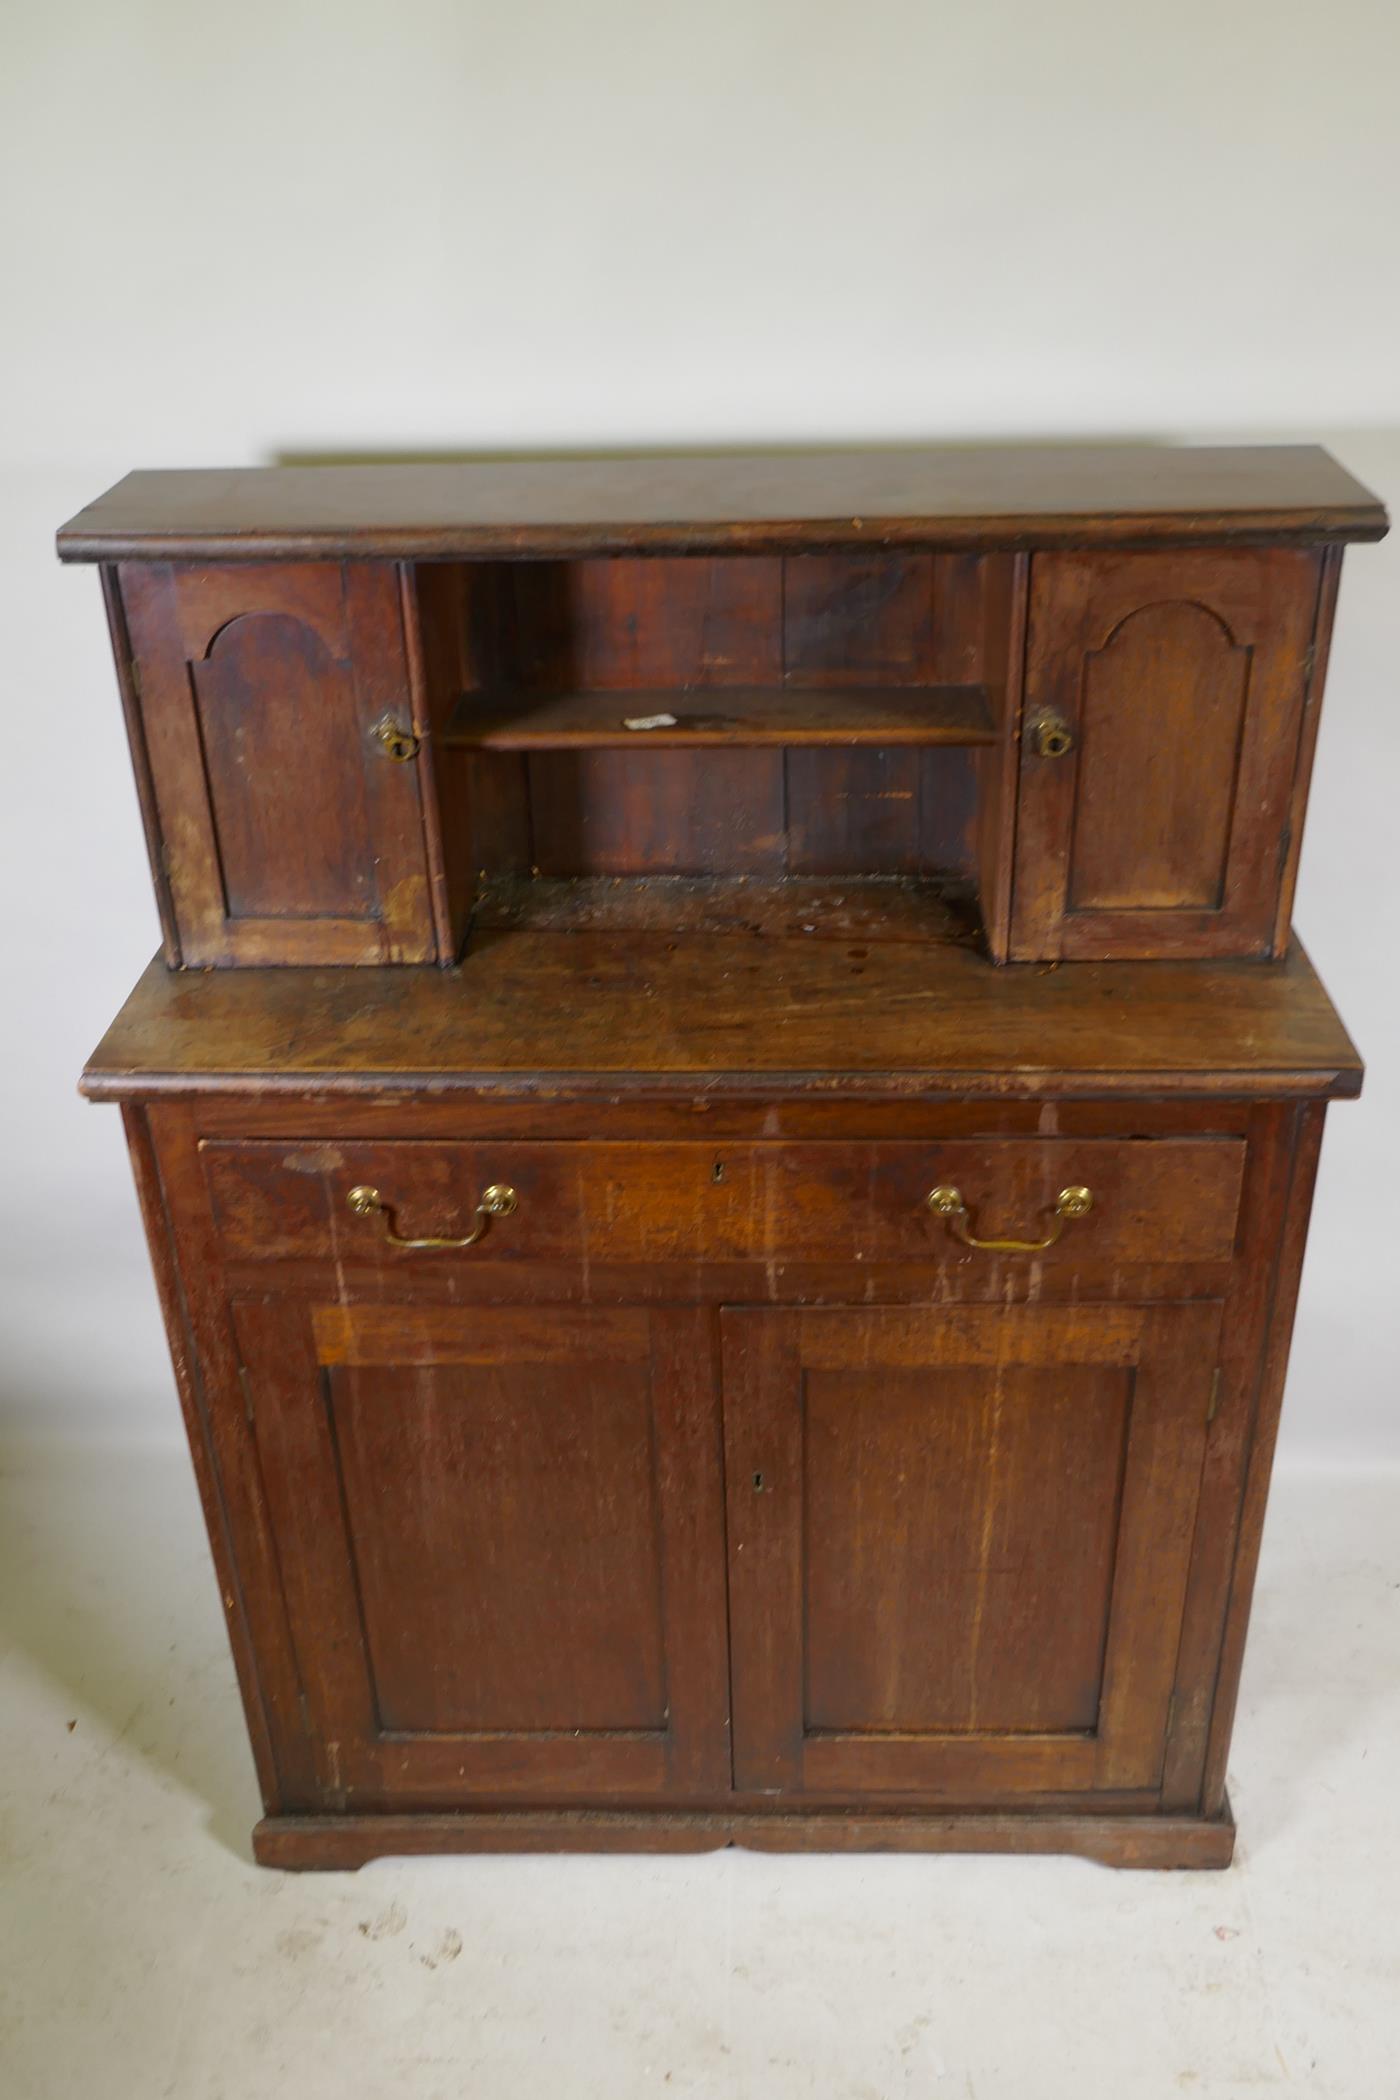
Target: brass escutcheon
<point>400,744</point>
<point>1051,733</point>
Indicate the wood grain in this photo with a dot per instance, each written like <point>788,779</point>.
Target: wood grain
<point>791,716</point>
<point>953,496</point>
<point>1169,1201</point>
<point>906,1611</point>
<point>718,1491</point>
<point>499,1544</point>
<point>286,834</point>
<point>1180,680</point>
<point>648,1013</point>
<point>292,1843</point>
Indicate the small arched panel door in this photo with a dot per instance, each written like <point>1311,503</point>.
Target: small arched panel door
<point>1168,707</point>
<point>276,753</point>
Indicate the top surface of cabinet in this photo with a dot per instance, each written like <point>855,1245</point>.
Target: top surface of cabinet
<point>606,1013</point>
<point>1006,496</point>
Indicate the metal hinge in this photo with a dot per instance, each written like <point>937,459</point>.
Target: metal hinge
<point>1214,1405</point>
<point>134,673</point>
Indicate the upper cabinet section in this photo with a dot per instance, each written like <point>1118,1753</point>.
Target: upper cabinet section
<point>1166,735</point>
<point>1047,702</point>
<point>272,728</point>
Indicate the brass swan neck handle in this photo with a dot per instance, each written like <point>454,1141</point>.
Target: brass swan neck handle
<point>946,1202</point>
<point>498,1201</point>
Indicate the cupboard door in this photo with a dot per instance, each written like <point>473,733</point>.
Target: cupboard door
<point>959,1544</point>
<point>1164,702</point>
<point>501,1537</point>
<point>288,832</point>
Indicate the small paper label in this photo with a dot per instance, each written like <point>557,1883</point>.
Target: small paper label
<point>648,721</point>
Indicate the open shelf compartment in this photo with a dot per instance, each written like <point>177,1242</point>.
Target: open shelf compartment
<point>722,743</point>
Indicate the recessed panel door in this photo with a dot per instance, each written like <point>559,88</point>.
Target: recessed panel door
<point>1164,702</point>
<point>278,727</point>
<point>959,1543</point>
<point>501,1539</point>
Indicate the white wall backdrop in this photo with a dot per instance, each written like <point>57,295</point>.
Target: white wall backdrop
<point>311,228</point>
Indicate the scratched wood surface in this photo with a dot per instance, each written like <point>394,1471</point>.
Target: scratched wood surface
<point>651,1011</point>
<point>435,1379</point>
<point>973,495</point>
<point>1173,1201</point>
<point>702,1496</point>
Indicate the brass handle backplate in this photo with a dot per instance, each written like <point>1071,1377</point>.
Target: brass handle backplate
<point>401,744</point>
<point>1051,734</point>
<point>496,1202</point>
<point>947,1202</point>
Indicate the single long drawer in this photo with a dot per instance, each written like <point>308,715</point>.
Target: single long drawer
<point>1149,1200</point>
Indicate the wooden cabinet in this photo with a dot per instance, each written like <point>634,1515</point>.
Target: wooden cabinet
<point>717,1359</point>
<point>272,727</point>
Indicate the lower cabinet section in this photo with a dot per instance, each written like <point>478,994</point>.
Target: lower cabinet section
<point>699,1550</point>
<point>955,1559</point>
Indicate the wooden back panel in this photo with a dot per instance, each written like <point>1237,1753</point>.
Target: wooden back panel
<point>813,622</point>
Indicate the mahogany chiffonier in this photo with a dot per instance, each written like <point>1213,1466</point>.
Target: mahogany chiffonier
<point>726,1126</point>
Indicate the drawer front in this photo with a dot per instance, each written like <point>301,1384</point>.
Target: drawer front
<point>1150,1200</point>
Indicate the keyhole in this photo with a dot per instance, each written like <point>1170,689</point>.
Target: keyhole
<point>758,1483</point>
<point>718,1174</point>
<point>1052,735</point>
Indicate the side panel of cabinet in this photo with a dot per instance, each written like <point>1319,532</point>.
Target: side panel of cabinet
<point>1165,705</point>
<point>960,1543</point>
<point>501,1542</point>
<point>284,830</point>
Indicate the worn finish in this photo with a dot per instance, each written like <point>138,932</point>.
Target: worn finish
<point>281,828</point>
<point>1173,1201</point>
<point>480,1491</point>
<point>964,495</point>
<point>1113,1841</point>
<point>719,1361</point>
<point>918,715</point>
<point>906,1612</point>
<point>394,1431</point>
<point>1102,723</point>
<point>605,1013</point>
<point>1177,683</point>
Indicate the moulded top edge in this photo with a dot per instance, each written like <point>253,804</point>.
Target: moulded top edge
<point>1007,497</point>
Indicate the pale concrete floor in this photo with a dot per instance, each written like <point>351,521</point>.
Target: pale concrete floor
<point>142,1955</point>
